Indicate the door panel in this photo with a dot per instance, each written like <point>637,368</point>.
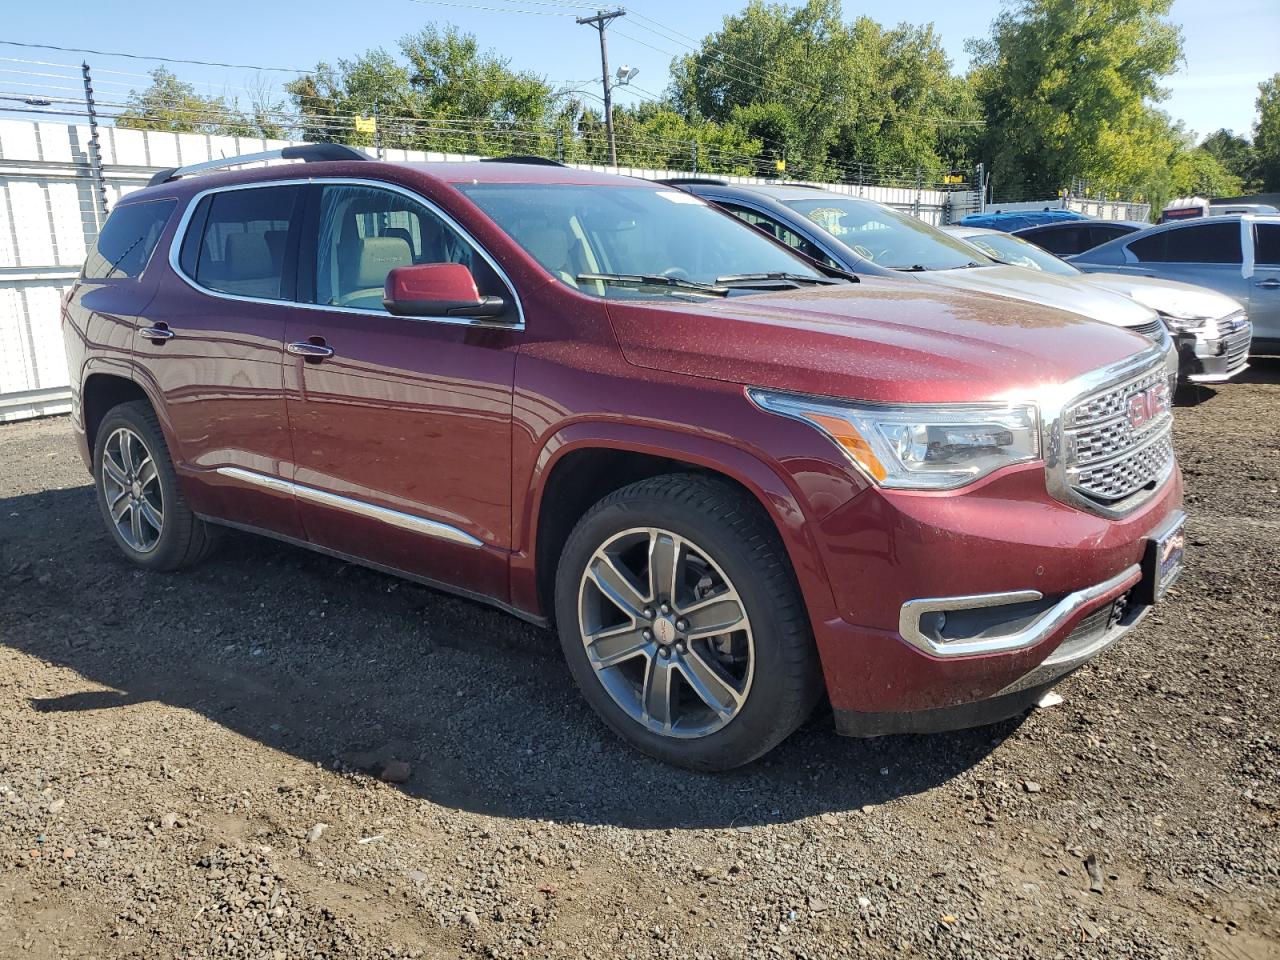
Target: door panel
<point>1264,289</point>
<point>409,420</point>
<point>220,370</point>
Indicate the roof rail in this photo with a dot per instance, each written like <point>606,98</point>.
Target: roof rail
<point>524,158</point>
<point>709,181</point>
<point>307,152</point>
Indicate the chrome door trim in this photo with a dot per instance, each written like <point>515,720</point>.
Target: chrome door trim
<point>175,251</point>
<point>405,521</point>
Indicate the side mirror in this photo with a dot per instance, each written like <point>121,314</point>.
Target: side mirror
<point>438,290</point>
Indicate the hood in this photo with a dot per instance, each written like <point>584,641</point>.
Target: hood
<point>1050,290</point>
<point>1182,301</point>
<point>879,340</point>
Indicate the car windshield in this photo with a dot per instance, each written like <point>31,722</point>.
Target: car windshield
<point>1021,253</point>
<point>886,237</point>
<point>639,241</point>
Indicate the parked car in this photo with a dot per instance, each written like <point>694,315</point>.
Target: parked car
<point>1189,208</point>
<point>1069,239</point>
<point>1009,220</point>
<point>865,237</point>
<point>728,480</point>
<point>1212,331</point>
<point>1238,256</point>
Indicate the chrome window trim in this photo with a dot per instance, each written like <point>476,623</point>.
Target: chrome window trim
<point>175,251</point>
<point>396,518</point>
<point>1052,423</point>
<point>1037,631</point>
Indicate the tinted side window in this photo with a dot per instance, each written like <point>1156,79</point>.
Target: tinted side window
<point>127,239</point>
<point>365,232</point>
<point>778,231</point>
<point>1201,243</point>
<point>1267,244</point>
<point>1066,240</point>
<point>243,242</point>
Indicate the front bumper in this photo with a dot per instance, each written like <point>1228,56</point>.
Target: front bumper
<point>1216,353</point>
<point>1060,570</point>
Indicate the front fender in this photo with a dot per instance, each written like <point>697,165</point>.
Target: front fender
<point>780,494</point>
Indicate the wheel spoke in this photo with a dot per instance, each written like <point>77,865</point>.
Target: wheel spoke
<point>135,527</point>
<point>714,616</point>
<point>126,453</point>
<point>616,584</point>
<point>657,692</point>
<point>153,516</point>
<point>666,560</point>
<point>113,471</point>
<point>610,647</point>
<point>147,471</point>
<point>713,689</point>
<point>120,506</point>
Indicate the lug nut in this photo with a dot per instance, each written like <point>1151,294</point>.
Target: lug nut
<point>680,648</point>
<point>682,624</point>
<point>664,652</point>
<point>666,608</point>
<point>648,613</point>
<point>648,634</point>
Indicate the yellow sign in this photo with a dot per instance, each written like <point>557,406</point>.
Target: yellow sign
<point>780,164</point>
<point>366,125</point>
<point>953,178</point>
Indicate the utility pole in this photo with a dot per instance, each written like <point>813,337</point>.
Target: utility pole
<point>600,21</point>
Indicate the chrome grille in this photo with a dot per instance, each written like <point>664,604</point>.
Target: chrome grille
<point>1112,451</point>
<point>1154,329</point>
<point>1238,334</point>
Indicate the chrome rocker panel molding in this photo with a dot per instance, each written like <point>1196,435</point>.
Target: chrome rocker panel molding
<point>406,521</point>
<point>1043,627</point>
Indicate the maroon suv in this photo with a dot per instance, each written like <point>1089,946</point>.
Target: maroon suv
<point>731,481</point>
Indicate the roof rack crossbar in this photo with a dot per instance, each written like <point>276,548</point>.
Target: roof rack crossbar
<point>307,152</point>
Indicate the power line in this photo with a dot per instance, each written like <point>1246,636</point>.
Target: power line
<point>137,56</point>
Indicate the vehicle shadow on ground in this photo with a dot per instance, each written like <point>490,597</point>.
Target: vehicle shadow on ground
<point>324,660</point>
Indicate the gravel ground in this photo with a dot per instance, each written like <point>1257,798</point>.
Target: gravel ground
<point>280,756</point>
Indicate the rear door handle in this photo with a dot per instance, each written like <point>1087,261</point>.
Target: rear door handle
<point>1271,283</point>
<point>310,349</point>
<point>157,334</point>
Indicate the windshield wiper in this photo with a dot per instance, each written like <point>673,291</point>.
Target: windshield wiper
<point>656,280</point>
<point>914,268</point>
<point>749,279</point>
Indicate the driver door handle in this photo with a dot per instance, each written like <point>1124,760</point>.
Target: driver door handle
<point>312,351</point>
<point>1271,283</point>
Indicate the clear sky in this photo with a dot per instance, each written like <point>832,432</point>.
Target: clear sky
<point>1230,45</point>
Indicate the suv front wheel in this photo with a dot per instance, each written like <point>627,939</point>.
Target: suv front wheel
<point>682,624</point>
<point>138,493</point>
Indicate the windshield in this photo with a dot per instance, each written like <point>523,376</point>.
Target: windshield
<point>638,241</point>
<point>1021,253</point>
<point>886,237</point>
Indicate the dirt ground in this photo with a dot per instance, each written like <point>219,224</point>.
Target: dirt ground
<point>180,764</point>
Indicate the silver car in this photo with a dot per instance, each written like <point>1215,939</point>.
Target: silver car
<point>1236,255</point>
<point>1211,330</point>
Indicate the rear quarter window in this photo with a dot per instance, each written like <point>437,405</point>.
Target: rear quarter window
<point>1267,243</point>
<point>128,239</point>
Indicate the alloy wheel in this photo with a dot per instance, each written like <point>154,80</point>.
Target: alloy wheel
<point>666,632</point>
<point>131,485</point>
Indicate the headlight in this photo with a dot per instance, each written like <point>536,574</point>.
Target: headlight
<point>1183,324</point>
<point>919,447</point>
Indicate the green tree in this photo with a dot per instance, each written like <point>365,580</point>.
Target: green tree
<point>1237,156</point>
<point>1266,133</point>
<point>1068,90</point>
<point>173,105</point>
<point>446,94</point>
<point>1198,173</point>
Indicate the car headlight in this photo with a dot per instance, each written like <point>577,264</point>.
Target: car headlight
<point>1183,324</point>
<point>919,447</point>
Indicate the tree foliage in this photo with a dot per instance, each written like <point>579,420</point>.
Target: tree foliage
<point>173,105</point>
<point>1068,90</point>
<point>1237,157</point>
<point>1266,133</point>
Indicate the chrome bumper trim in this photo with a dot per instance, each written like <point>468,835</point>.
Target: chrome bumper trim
<point>1044,626</point>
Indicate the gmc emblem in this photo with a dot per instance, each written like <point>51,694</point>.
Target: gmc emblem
<point>1145,405</point>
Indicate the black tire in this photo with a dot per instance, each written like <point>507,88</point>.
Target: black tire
<point>733,531</point>
<point>184,539</point>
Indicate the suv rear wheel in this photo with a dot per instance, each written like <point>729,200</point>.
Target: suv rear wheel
<point>682,624</point>
<point>138,492</point>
